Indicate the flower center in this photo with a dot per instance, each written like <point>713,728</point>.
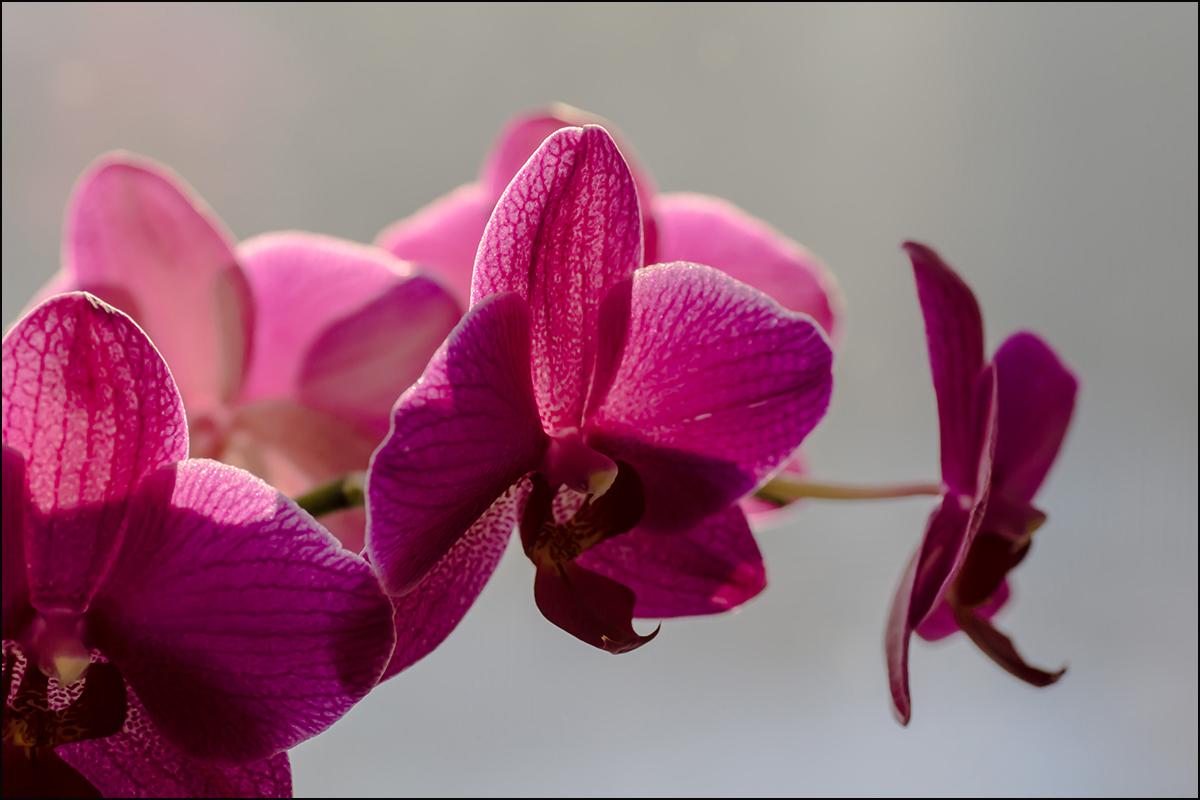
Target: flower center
<point>571,463</point>
<point>56,640</point>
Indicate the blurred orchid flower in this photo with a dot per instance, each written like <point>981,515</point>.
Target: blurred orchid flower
<point>209,623</point>
<point>444,236</point>
<point>1001,425</point>
<point>289,350</point>
<point>616,413</point>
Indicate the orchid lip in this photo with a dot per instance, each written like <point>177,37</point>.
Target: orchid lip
<point>56,637</point>
<point>569,462</point>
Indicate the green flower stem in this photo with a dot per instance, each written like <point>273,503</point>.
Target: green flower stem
<point>781,491</point>
<point>348,491</point>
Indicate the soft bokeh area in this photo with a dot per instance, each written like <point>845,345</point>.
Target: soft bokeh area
<point>1049,153</point>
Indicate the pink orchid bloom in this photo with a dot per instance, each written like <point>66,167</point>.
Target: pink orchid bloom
<point>616,412</point>
<point>210,623</point>
<point>1002,424</point>
<point>444,236</point>
<point>289,350</point>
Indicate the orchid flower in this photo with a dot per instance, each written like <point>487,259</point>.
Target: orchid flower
<point>289,350</point>
<point>1002,424</point>
<point>616,413</point>
<point>171,625</point>
<point>444,236</point>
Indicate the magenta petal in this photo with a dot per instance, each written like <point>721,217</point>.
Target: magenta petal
<point>136,229</point>
<point>1037,397</point>
<point>1000,649</point>
<point>243,626</point>
<point>17,610</point>
<point>443,237</point>
<point>90,405</point>
<point>941,623</point>
<point>302,284</point>
<point>363,362</point>
<point>708,230</point>
<point>589,606</point>
<point>427,615</point>
<point>465,433</point>
<point>566,231</point>
<point>897,638</point>
<point>954,332</point>
<point>139,762</point>
<point>712,568</point>
<point>717,386</point>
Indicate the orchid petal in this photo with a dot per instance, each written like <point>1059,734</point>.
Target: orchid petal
<point>941,623</point>
<point>711,231</point>
<point>898,637</point>
<point>717,386</point>
<point>710,569</point>
<point>139,762</point>
<point>243,626</point>
<point>461,436</point>
<point>589,606</point>
<point>954,332</point>
<point>427,615</point>
<point>17,611</point>
<point>1036,397</point>
<point>49,776</point>
<point>443,237</point>
<point>566,230</point>
<point>302,284</point>
<point>765,513</point>
<point>1000,649</point>
<point>360,364</point>
<point>136,231</point>
<point>90,405</point>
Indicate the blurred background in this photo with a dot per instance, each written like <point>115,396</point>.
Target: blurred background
<point>1048,152</point>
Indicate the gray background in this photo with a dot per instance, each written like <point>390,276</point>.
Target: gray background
<point>1050,153</point>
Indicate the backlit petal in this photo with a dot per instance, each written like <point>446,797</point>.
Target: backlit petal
<point>90,405</point>
<point>461,436</point>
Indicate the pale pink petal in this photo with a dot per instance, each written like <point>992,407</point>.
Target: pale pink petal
<point>427,615</point>
<point>17,611</point>
<point>443,237</point>
<point>1036,397</point>
<point>243,625</point>
<point>90,405</point>
<point>714,232</point>
<point>709,569</point>
<point>136,230</point>
<point>465,433</point>
<point>302,283</point>
<point>566,231</point>
<point>139,762</point>
<point>954,333</point>
<point>363,362</point>
<point>717,386</point>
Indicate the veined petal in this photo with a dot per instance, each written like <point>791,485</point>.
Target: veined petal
<point>461,436</point>
<point>954,332</point>
<point>243,626</point>
<point>90,405</point>
<point>1037,397</point>
<point>427,615</point>
<point>139,762</point>
<point>716,387</point>
<point>302,284</point>
<point>712,568</point>
<point>443,237</point>
<point>566,230</point>
<point>711,231</point>
<point>17,611</point>
<point>135,231</point>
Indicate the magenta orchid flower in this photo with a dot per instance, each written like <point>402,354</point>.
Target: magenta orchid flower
<point>209,622</point>
<point>616,413</point>
<point>289,350</point>
<point>1001,424</point>
<point>444,236</point>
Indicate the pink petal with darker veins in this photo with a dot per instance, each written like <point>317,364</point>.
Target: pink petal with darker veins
<point>135,232</point>
<point>242,625</point>
<point>1037,397</point>
<point>139,762</point>
<point>90,405</point>
<point>443,237</point>
<point>714,232</point>
<point>709,569</point>
<point>465,433</point>
<point>566,230</point>
<point>954,333</point>
<point>428,614</point>
<point>717,385</point>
